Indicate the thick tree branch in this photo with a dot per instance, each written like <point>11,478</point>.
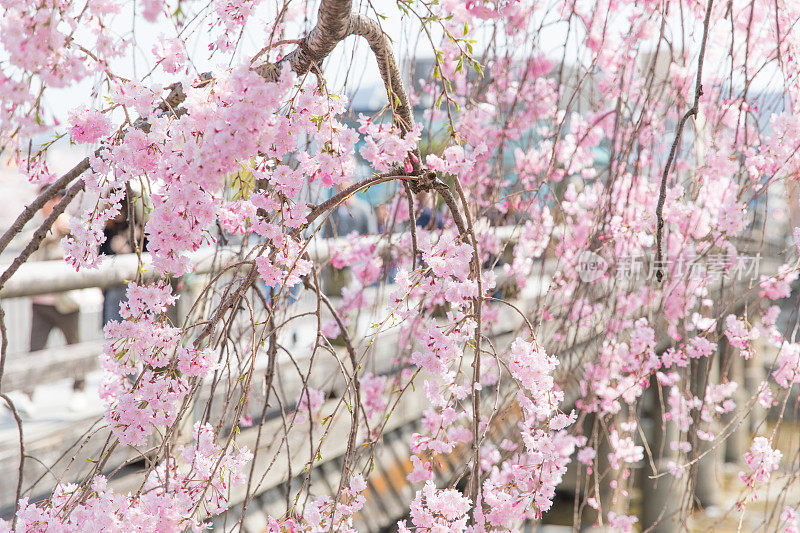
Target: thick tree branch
<point>41,233</point>
<point>21,440</point>
<point>390,73</point>
<point>332,26</point>
<point>347,192</point>
<point>32,208</point>
<point>335,22</point>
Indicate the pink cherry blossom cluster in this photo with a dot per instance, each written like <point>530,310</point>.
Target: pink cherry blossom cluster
<point>171,53</point>
<point>524,486</point>
<point>437,510</point>
<point>740,335</point>
<point>365,265</point>
<point>326,513</point>
<point>179,494</point>
<point>36,39</point>
<point>373,390</point>
<point>385,147</point>
<point>147,371</point>
<point>309,404</point>
<point>88,125</point>
<point>624,450</point>
<point>787,372</point>
<point>762,460</point>
<point>791,520</point>
<point>778,286</point>
<point>82,245</point>
<point>622,371</point>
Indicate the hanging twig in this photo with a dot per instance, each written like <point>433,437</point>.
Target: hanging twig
<point>692,112</point>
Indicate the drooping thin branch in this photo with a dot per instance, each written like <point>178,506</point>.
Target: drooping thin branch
<point>477,302</point>
<point>347,192</point>
<point>351,441</point>
<point>412,217</point>
<point>229,303</point>
<point>662,194</point>
<point>269,375</point>
<point>3,342</point>
<point>21,467</point>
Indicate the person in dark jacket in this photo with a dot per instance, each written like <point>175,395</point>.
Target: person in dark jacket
<point>119,240</point>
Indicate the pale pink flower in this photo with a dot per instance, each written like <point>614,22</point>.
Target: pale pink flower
<point>88,125</point>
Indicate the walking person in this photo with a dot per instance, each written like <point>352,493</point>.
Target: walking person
<point>54,311</point>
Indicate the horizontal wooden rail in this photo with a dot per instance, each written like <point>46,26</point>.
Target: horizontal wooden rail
<point>45,277</point>
<point>46,366</point>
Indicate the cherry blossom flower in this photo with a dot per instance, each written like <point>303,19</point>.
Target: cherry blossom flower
<point>762,460</point>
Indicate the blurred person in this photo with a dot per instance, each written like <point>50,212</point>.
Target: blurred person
<point>792,203</point>
<point>119,240</point>
<point>428,217</point>
<point>382,218</point>
<point>386,225</point>
<point>353,214</point>
<point>48,311</point>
